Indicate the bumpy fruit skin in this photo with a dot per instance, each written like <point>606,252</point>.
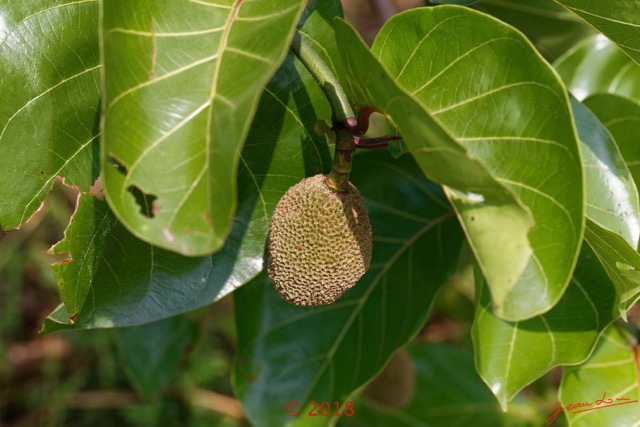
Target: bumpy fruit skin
<point>319,242</point>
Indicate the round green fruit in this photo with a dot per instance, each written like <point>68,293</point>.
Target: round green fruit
<point>319,242</point>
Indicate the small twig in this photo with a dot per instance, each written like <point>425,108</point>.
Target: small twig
<point>338,179</point>
<point>218,403</point>
<point>103,399</point>
<point>382,142</point>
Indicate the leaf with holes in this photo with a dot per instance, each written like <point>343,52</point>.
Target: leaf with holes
<point>181,85</point>
<point>617,19</point>
<point>289,353</point>
<point>496,111</point>
<point>44,135</point>
<point>596,65</point>
<point>621,117</point>
<point>607,385</point>
<point>131,282</point>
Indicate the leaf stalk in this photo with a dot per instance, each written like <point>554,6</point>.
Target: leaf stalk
<point>327,81</point>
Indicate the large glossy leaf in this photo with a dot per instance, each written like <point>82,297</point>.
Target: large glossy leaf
<point>448,392</point>
<point>599,291</point>
<point>621,262</point>
<point>606,389</point>
<point>288,353</point>
<point>495,221</point>
<point>511,355</point>
<point>617,19</point>
<point>489,88</point>
<point>612,196</point>
<point>182,82</point>
<point>596,65</point>
<point>149,353</point>
<point>551,28</point>
<point>50,86</point>
<point>621,116</point>
<point>132,282</point>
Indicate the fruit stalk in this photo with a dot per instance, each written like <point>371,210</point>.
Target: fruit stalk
<point>338,179</point>
<point>327,81</point>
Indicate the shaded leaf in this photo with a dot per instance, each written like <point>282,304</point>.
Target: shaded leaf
<point>84,244</point>
<point>511,355</point>
<point>610,377</point>
<point>617,19</point>
<point>182,83</point>
<point>136,283</point>
<point>551,28</point>
<point>50,86</point>
<point>621,262</point>
<point>289,353</point>
<point>497,97</point>
<point>149,353</point>
<point>449,392</point>
<point>621,116</point>
<point>596,65</point>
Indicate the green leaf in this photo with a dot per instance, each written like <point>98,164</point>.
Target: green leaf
<point>600,290</point>
<point>621,262</point>
<point>181,85</point>
<point>84,243</point>
<point>135,282</point>
<point>612,196</point>
<point>511,355</point>
<point>458,2</point>
<point>149,353</point>
<point>596,65</point>
<point>613,212</point>
<point>288,353</point>
<point>617,19</point>
<point>607,387</point>
<point>452,60</point>
<point>550,27</point>
<point>50,86</point>
<point>621,116</point>
<point>481,202</point>
<point>448,392</point>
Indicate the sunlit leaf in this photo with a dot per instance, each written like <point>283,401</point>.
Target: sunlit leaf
<point>289,353</point>
<point>132,282</point>
<point>617,19</point>
<point>511,355</point>
<point>182,82</point>
<point>622,117</point>
<point>551,28</point>
<point>50,86</point>
<point>612,196</point>
<point>606,389</point>
<point>596,65</point>
<point>514,119</point>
